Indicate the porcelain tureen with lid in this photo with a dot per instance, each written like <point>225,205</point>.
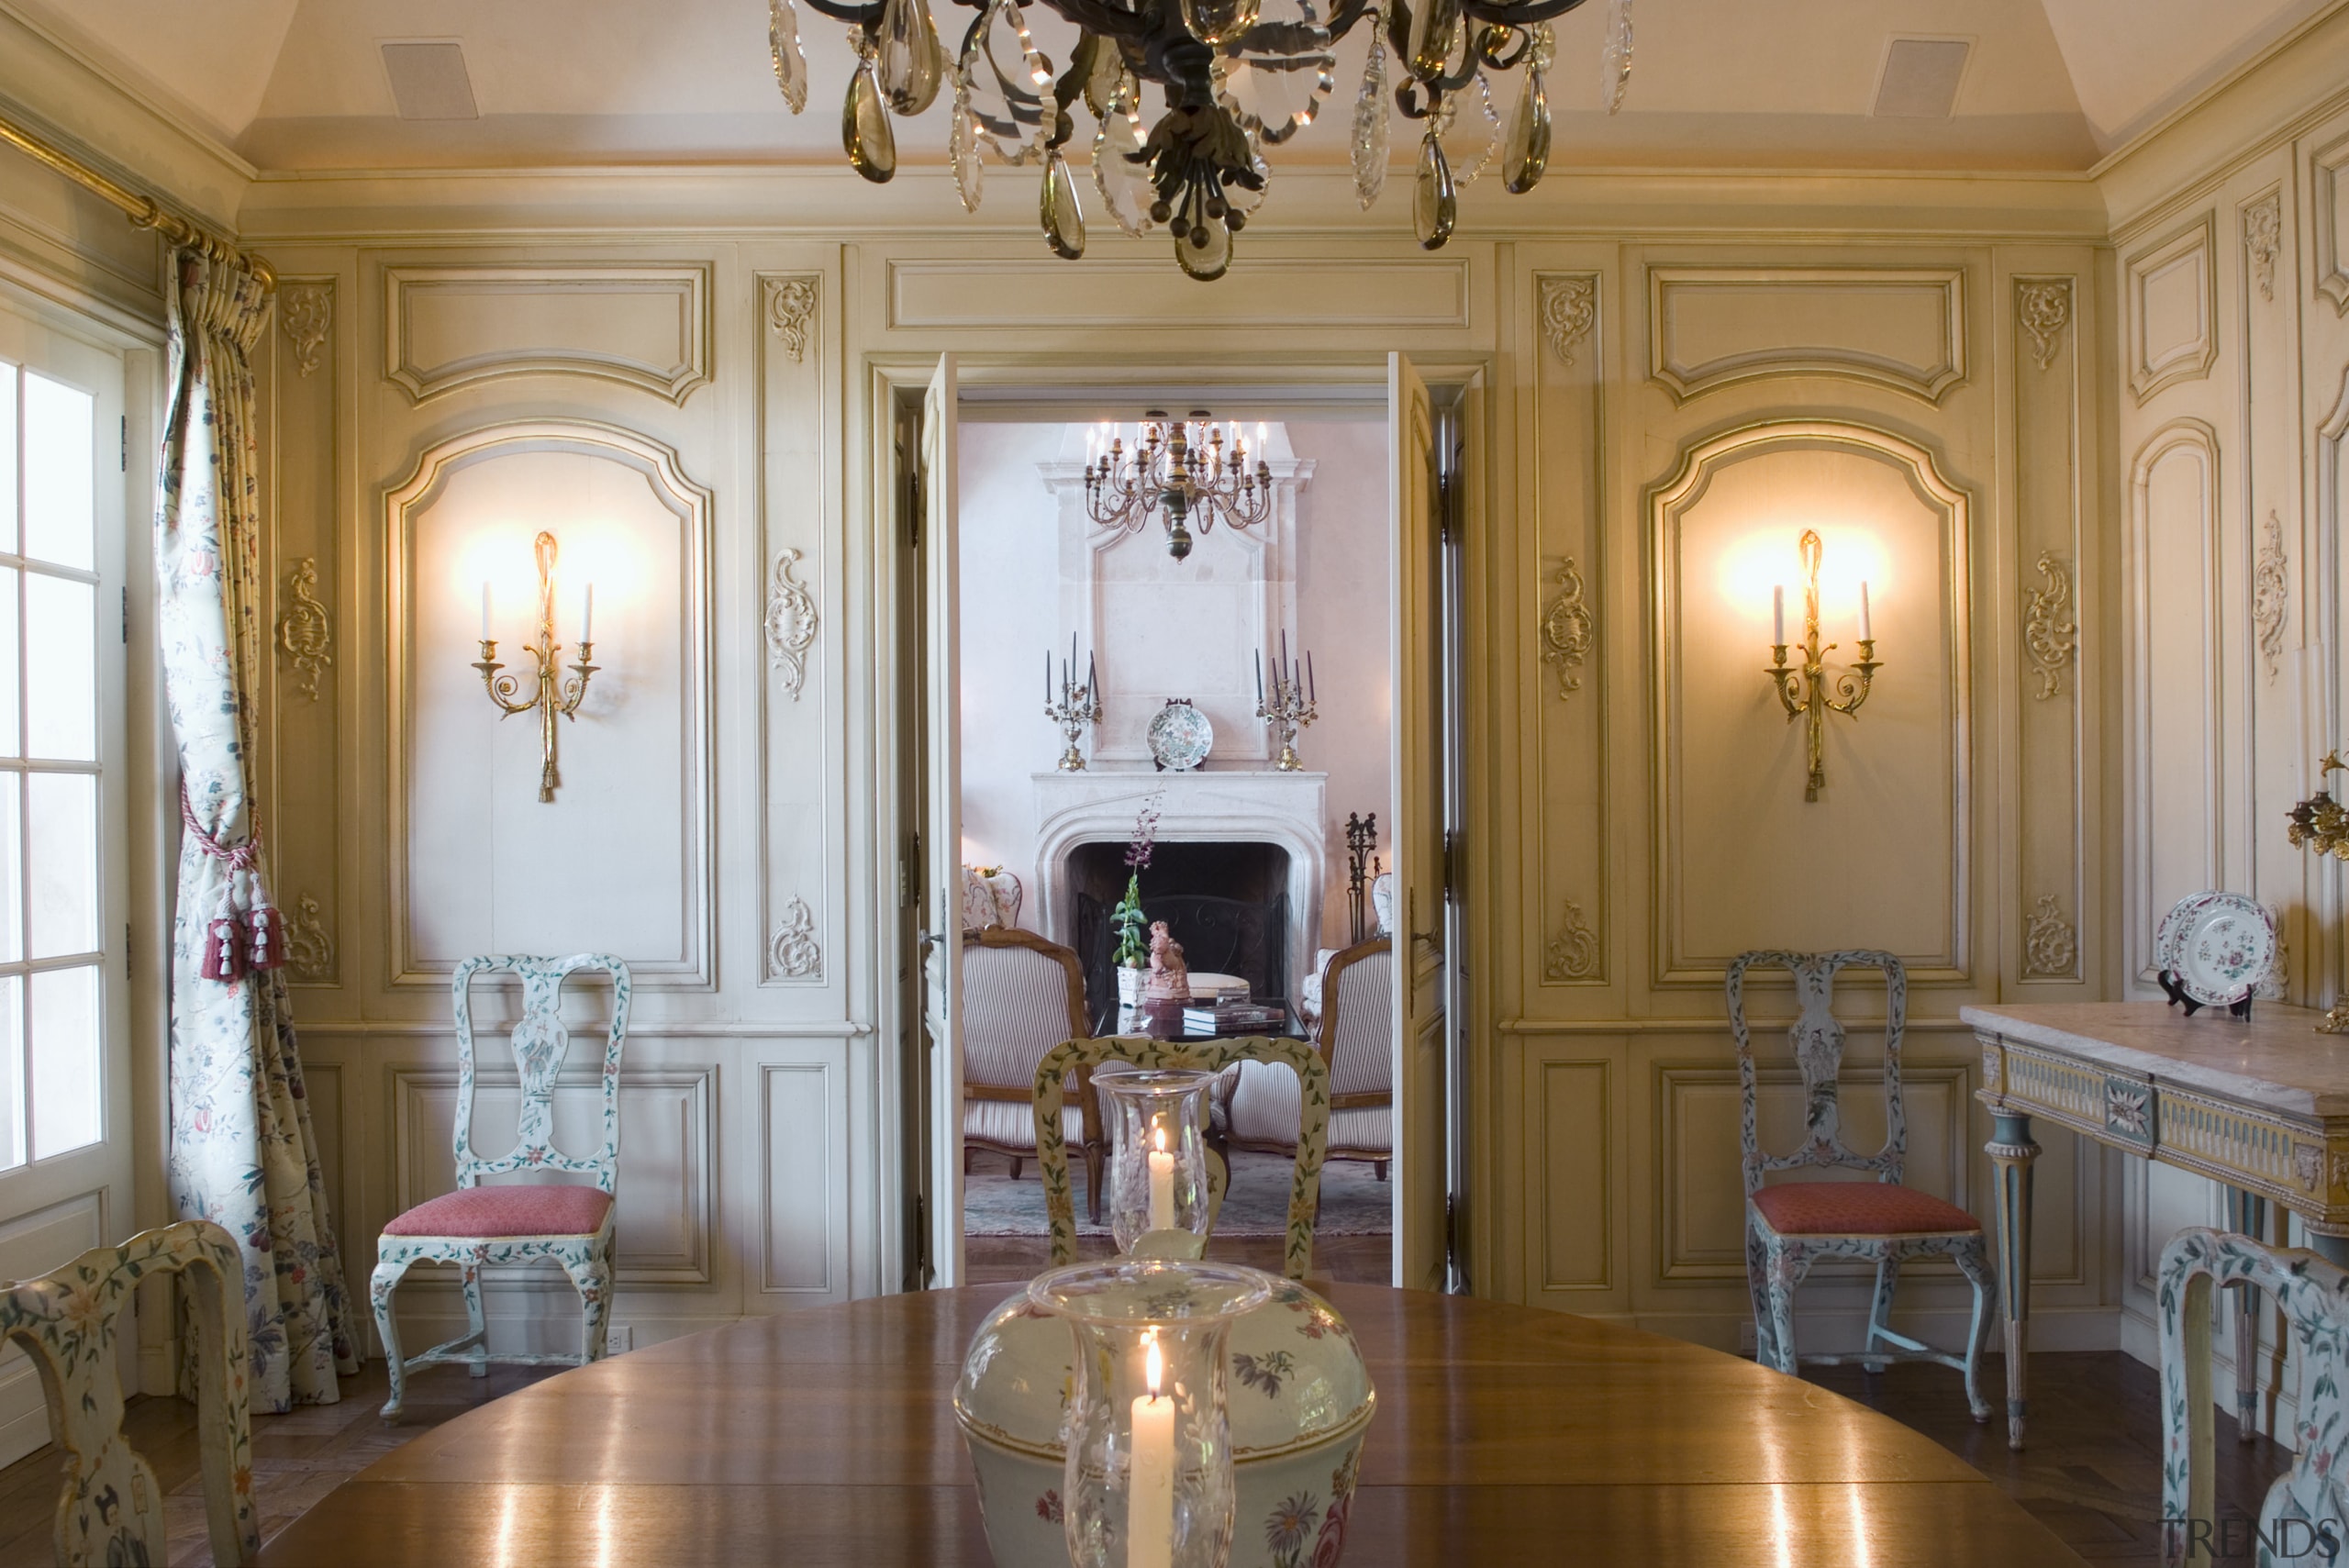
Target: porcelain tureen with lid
<point>1299,1397</point>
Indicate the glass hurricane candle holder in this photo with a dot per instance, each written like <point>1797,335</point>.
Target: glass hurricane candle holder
<point>1147,1481</point>
<point>1158,1166</point>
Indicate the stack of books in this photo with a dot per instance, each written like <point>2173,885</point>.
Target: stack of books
<point>1231,1018</point>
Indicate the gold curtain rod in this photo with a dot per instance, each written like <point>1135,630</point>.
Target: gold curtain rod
<point>144,211</point>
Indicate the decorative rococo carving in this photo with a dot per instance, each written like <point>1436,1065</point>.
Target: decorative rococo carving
<point>303,629</point>
<point>790,308</point>
<point>792,952</point>
<point>307,313</point>
<point>2128,1107</point>
<point>2271,593</point>
<point>1567,631</point>
<point>2262,238</point>
<point>309,951</point>
<point>2340,1172</point>
<point>1991,1068</point>
<point>791,623</point>
<point>2049,634</point>
<point>1574,950</point>
<point>2043,306</point>
<point>2050,948</point>
<point>1569,307</point>
<point>2308,1163</point>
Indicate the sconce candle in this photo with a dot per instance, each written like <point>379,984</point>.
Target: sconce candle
<point>552,694</point>
<point>587,617</point>
<point>1803,689</point>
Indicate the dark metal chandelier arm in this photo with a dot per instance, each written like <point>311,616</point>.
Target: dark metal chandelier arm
<point>865,16</point>
<point>1516,13</point>
<point>1107,20</point>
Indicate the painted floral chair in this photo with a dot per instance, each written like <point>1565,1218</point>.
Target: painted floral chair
<point>111,1509</point>
<point>2306,1517</point>
<point>1790,1225</point>
<point>567,1223</point>
<point>1356,1038</point>
<point>1209,1055</point>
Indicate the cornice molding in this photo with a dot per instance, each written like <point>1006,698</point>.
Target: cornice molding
<point>55,85</point>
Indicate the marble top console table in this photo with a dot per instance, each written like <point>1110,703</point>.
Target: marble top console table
<point>2261,1106</point>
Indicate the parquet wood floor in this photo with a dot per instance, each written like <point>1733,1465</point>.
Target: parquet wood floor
<point>2092,1473</point>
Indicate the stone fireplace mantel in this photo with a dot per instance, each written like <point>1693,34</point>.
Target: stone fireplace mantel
<point>1098,806</point>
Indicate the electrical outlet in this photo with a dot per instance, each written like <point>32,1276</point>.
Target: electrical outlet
<point>618,1338</point>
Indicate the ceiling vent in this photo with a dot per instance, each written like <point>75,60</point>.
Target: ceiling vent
<point>429,81</point>
<point>1920,77</point>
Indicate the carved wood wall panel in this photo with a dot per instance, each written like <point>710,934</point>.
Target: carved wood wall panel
<point>2172,293</point>
<point>1898,326</point>
<point>646,327</point>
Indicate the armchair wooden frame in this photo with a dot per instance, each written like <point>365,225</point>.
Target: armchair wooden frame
<point>1080,1027</point>
<point>1325,1040</point>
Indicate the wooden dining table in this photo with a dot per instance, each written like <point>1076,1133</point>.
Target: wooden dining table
<point>1504,1434</point>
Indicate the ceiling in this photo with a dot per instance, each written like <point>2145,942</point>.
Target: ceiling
<point>302,85</point>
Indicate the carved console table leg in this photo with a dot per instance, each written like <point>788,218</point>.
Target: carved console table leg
<point>2248,1217</point>
<point>2012,1154</point>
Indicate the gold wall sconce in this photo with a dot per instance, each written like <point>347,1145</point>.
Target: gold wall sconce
<point>1805,689</point>
<point>552,694</point>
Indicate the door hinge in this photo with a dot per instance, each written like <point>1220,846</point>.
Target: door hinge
<point>917,1270</point>
<point>126,949</point>
<point>1456,1272</point>
<point>126,617</point>
<point>1452,852</point>
<point>126,443</point>
<point>909,871</point>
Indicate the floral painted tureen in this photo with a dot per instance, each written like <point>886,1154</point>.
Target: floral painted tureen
<point>1300,1401</point>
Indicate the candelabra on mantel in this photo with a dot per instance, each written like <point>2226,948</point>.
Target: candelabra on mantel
<point>1804,690</point>
<point>1290,706</point>
<point>1078,705</point>
<point>551,695</point>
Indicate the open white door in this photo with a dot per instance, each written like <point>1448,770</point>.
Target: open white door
<point>1416,636</point>
<point>941,828</point>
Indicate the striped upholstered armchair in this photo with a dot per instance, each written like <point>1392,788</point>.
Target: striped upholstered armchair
<point>1356,1038</point>
<point>1021,997</point>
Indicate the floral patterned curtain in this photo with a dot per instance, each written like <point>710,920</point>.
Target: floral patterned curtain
<point>241,1154</point>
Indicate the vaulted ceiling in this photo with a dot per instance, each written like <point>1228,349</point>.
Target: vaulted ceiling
<point>303,84</point>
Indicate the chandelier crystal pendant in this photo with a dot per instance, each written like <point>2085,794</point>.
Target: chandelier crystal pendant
<point>1237,79</point>
<point>1189,470</point>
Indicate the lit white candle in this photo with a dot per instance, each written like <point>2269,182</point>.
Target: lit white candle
<point>587,615</point>
<point>485,609</point>
<point>1161,1185</point>
<point>1778,614</point>
<point>1150,1489</point>
<point>1865,635</point>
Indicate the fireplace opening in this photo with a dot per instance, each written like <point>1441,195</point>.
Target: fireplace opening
<point>1226,902</point>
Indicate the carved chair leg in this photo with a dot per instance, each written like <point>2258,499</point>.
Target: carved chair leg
<point>1974,1262</point>
<point>1015,1167</point>
<point>1788,1264</point>
<point>591,1274</point>
<point>477,1322</point>
<point>967,1152</point>
<point>1379,1168</point>
<point>1757,1283</point>
<point>1887,1279</point>
<point>379,1290</point>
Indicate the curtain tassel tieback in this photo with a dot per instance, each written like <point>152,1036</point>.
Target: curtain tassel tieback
<point>246,934</point>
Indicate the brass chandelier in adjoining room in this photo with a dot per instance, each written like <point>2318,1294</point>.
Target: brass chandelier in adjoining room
<point>1184,469</point>
<point>1240,77</point>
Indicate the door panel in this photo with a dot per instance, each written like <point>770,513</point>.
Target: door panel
<point>1421,1177</point>
<point>941,828</point>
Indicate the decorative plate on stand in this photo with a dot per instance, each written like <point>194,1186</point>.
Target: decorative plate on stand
<point>1180,737</point>
<point>2216,948</point>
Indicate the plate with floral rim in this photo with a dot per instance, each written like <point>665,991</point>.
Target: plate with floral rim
<point>2219,946</point>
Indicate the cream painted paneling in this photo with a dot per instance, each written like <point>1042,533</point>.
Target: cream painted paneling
<point>491,866</point>
<point>2328,215</point>
<point>643,327</point>
<point>2172,291</point>
<point>1882,857</point>
<point>1905,328</point>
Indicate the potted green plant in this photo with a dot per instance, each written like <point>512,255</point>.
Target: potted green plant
<point>1131,924</point>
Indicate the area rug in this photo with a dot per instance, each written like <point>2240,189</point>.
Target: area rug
<point>1354,1201</point>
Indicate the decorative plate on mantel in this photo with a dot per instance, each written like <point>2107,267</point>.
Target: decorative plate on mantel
<point>2217,945</point>
<point>1180,737</point>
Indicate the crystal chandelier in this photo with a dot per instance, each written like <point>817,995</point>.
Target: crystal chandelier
<point>1184,468</point>
<point>1239,77</point>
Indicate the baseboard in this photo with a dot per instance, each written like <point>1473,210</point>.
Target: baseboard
<point>24,1410</point>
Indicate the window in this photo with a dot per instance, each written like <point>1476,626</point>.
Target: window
<point>52,1013</point>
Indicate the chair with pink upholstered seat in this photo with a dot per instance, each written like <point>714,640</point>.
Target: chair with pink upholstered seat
<point>1790,1225</point>
<point>568,1223</point>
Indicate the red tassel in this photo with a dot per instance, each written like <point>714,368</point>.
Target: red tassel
<point>224,950</point>
<point>267,929</point>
